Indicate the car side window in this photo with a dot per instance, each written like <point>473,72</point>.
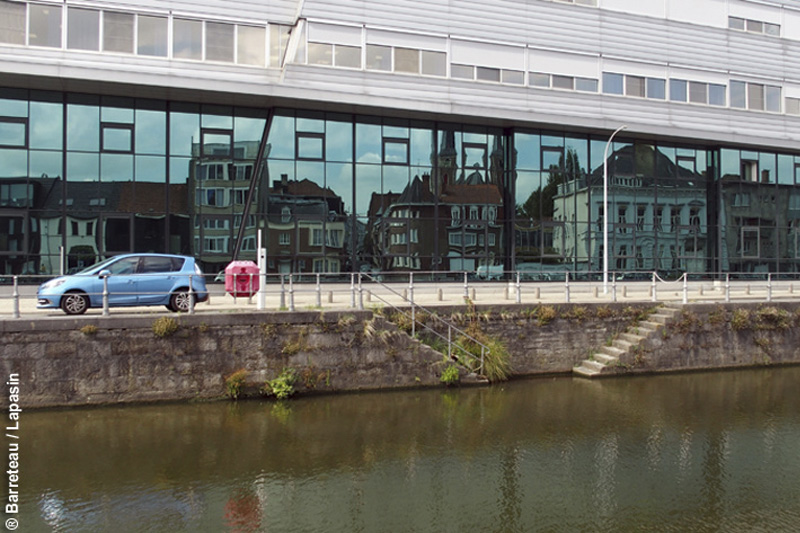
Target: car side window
<point>124,266</point>
<point>155,265</point>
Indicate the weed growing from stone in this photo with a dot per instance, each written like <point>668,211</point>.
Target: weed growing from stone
<point>234,383</point>
<point>164,326</point>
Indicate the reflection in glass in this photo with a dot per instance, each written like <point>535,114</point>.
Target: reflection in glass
<point>339,141</point>
<point>251,45</point>
<point>83,29</point>
<point>45,163</point>
<point>281,138</point>
<point>151,168</point>
<point>219,41</point>
<point>118,32</point>
<point>152,36</point>
<point>15,163</point>
<point>44,25</point>
<point>115,167</point>
<point>83,167</point>
<point>83,127</point>
<point>151,132</point>
<point>184,133</point>
<point>187,39</point>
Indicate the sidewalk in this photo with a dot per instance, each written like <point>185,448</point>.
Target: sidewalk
<point>343,296</point>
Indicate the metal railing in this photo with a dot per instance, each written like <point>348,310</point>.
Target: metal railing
<point>414,318</point>
<point>340,290</point>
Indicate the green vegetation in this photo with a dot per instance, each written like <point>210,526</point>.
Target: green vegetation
<point>89,330</point>
<point>768,318</point>
<point>450,376</point>
<point>282,386</point>
<point>164,326</point>
<point>234,383</point>
<point>740,319</point>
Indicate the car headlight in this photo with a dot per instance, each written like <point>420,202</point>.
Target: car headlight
<point>53,283</point>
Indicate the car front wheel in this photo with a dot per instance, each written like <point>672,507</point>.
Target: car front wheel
<point>180,302</point>
<point>74,303</point>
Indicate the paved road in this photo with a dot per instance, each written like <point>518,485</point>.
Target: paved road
<point>429,294</point>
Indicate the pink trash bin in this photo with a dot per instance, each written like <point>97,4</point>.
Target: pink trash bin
<point>241,279</point>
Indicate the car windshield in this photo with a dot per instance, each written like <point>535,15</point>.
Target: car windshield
<point>97,266</point>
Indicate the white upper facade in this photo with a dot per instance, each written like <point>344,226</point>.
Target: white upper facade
<point>718,71</point>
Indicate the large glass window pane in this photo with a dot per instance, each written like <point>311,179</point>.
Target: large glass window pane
<point>278,39</point>
<point>368,190</point>
<point>773,96</point>
<point>755,96</point>
<point>379,57</point>
<point>83,29</point>
<point>677,90</point>
<point>117,139</point>
<point>406,60</point>
<point>656,88</point>
<point>151,132</point>
<point>527,147</point>
<point>45,25</point>
<point>738,94</point>
<point>83,167</point>
<point>151,169</point>
<point>347,56</point>
<point>339,141</point>
<point>46,164</point>
<point>281,138</point>
<point>612,83</point>
<point>716,94</point>
<point>634,86</point>
<point>698,92</point>
<point>83,127</point>
<point>563,82</point>
<point>487,74</point>
<point>464,72</point>
<point>434,63</point>
<point>586,85</point>
<point>118,32</point>
<point>152,36</point>
<point>116,167</point>
<point>13,132</point>
<point>368,143</point>
<point>250,45</point>
<point>515,77</point>
<point>320,54</point>
<point>12,22</point>
<point>187,39</point>
<point>339,179</point>
<point>219,42</point>
<point>184,133</point>
<point>15,162</point>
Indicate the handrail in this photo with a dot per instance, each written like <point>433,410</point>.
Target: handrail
<point>450,327</point>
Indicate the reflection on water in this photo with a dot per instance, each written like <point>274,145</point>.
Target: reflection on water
<point>699,452</point>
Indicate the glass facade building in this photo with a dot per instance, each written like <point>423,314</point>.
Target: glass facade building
<point>97,167</point>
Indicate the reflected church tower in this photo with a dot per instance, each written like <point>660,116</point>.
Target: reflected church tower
<point>444,163</point>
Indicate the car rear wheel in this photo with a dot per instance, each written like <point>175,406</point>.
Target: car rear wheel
<point>74,303</point>
<point>180,301</point>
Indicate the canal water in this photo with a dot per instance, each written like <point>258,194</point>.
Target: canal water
<point>692,452</point>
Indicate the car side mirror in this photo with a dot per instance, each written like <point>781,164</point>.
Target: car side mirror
<point>104,274</point>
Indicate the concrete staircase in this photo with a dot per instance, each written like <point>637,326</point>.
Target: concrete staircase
<point>604,360</point>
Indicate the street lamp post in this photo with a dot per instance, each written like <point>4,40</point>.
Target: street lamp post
<point>605,208</point>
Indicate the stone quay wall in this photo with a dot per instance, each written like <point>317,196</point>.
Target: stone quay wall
<point>68,361</point>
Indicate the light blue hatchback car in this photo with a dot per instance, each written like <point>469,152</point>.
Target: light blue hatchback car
<point>133,280</point>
